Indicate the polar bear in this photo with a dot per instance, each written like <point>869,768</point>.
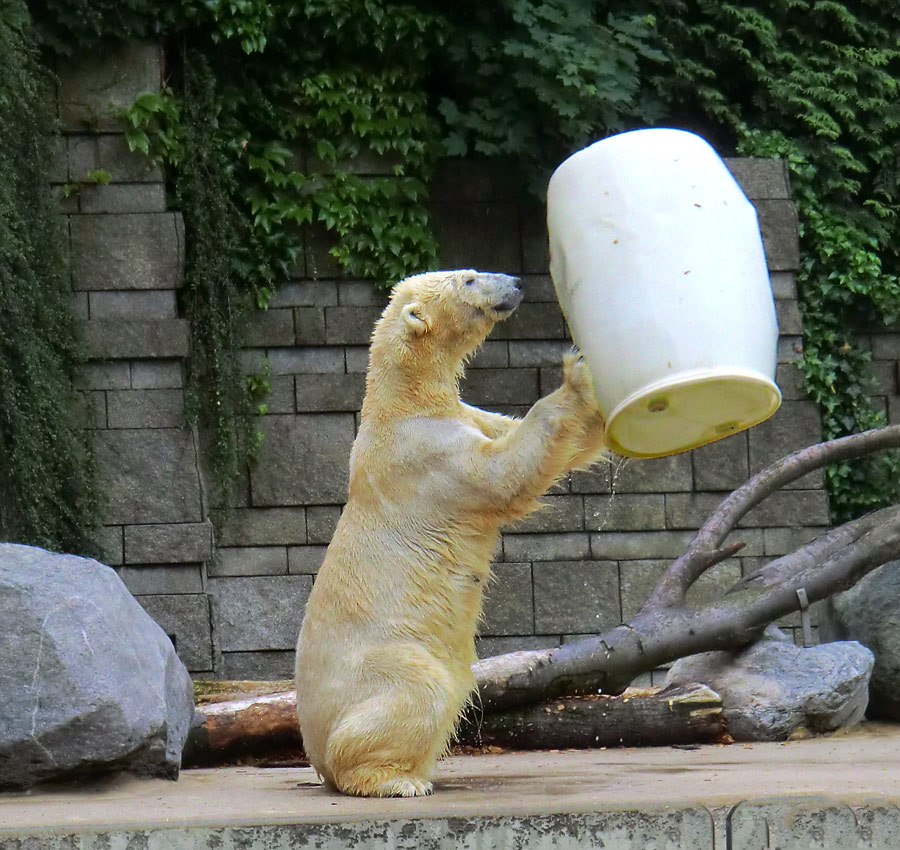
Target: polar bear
<point>387,642</point>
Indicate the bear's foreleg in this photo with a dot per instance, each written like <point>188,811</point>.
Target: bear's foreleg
<point>562,431</point>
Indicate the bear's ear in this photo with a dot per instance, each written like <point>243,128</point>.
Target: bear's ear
<point>415,323</point>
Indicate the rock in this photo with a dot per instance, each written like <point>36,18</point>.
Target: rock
<point>88,682</point>
<point>869,612</point>
<point>775,689</point>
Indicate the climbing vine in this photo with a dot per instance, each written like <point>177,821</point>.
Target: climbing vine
<point>304,132</point>
<point>47,490</point>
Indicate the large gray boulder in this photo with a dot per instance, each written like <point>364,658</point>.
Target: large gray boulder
<point>869,612</point>
<point>774,688</point>
<point>88,681</point>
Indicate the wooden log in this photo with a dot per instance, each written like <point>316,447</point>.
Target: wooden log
<point>238,730</point>
<point>263,728</point>
<point>690,714</point>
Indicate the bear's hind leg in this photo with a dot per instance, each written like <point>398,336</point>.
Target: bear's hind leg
<point>387,746</point>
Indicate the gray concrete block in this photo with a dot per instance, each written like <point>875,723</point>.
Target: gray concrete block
<point>305,560</point>
<point>95,85</point>
<point>135,251</point>
<point>625,512</point>
<point>260,613</point>
<point>542,321</point>
<point>595,480</point>
<point>321,521</point>
<point>177,543</point>
<point>483,387</point>
<point>269,328</point>
<point>478,236</point>
<point>558,513</point>
<point>722,465</point>
<point>885,374</point>
<point>636,582</point>
<point>783,541</point>
<point>784,285</point>
<point>308,360</point>
<point>638,545</point>
<point>690,510</point>
<point>249,561</point>
<point>779,226</point>
<point>133,304</point>
<point>493,354</point>
<point>330,393</point>
<point>550,378</point>
<point>470,180</point>
<point>350,325</point>
<point>486,647</point>
<point>304,460</point>
<point>790,349</point>
<point>579,596</point>
<point>318,261</point>
<point>791,382</point>
<point>535,240</point>
<point>714,583</point>
<point>309,325</point>
<point>545,547</point>
<point>112,541</point>
<point>59,162</point>
<point>155,579</point>
<point>542,352</point>
<point>760,178</point>
<point>886,346</point>
<point>120,339</point>
<point>264,527</point>
<point>185,619</point>
<point>79,304</point>
<point>156,374</point>
<point>652,475</point>
<point>361,293</point>
<point>280,398</point>
<point>103,376</point>
<point>123,198</point>
<point>789,319</point>
<point>794,426</point>
<point>798,823</point>
<point>145,408</point>
<point>790,507</point>
<point>148,476</point>
<point>538,288</point>
<point>508,601</point>
<point>894,410</point>
<point>91,408</point>
<point>258,666</point>
<point>110,153</point>
<point>305,293</point>
<point>357,358</point>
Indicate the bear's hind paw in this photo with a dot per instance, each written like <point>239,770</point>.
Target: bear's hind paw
<point>404,786</point>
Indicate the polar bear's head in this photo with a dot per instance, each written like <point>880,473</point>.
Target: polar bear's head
<point>453,309</point>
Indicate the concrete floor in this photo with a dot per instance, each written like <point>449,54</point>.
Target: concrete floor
<point>853,769</point>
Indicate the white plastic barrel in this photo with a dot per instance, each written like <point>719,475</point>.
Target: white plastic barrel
<point>659,267</point>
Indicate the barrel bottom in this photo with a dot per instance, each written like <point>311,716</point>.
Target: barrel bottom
<point>689,410</point>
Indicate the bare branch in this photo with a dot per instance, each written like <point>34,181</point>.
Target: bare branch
<point>683,572</point>
<point>658,635</point>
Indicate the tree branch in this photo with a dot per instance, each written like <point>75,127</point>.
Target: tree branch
<point>684,571</point>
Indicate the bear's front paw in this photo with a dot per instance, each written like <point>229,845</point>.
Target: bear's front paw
<point>577,378</point>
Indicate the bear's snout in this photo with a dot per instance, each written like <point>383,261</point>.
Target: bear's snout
<point>506,291</point>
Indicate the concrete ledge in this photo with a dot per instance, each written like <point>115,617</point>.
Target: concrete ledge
<point>833,793</point>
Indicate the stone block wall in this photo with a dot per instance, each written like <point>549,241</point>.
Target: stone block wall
<point>234,605</point>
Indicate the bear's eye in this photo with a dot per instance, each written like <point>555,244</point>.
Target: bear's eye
<point>470,281</point>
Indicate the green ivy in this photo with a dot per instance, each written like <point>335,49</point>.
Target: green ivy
<point>275,108</point>
<point>47,491</point>
<point>817,84</point>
